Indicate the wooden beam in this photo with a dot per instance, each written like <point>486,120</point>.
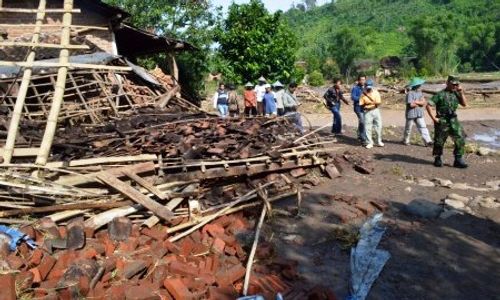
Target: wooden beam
<point>43,45</point>
<point>40,64</point>
<point>136,196</point>
<point>76,27</point>
<point>102,160</point>
<point>22,152</point>
<point>23,89</point>
<point>63,207</point>
<point>35,11</point>
<point>145,184</point>
<point>164,101</point>
<point>118,172</point>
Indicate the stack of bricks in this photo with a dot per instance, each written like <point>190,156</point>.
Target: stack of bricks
<point>126,261</point>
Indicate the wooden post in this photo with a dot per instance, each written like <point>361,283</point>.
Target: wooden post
<point>21,96</point>
<point>172,65</point>
<point>57,101</point>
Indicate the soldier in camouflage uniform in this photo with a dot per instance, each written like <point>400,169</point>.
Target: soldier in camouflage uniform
<point>446,123</point>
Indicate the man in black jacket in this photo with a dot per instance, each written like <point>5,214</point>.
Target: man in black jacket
<point>333,96</point>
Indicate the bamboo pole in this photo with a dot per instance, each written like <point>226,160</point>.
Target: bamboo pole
<point>253,250</point>
<point>35,11</point>
<point>50,129</point>
<point>21,96</point>
<point>80,27</point>
<point>43,64</point>
<point>43,45</point>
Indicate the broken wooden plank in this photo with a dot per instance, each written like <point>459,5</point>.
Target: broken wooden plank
<point>102,160</point>
<point>171,205</point>
<point>104,218</point>
<point>242,170</point>
<point>165,99</point>
<point>156,208</point>
<point>62,207</point>
<point>75,180</point>
<point>145,184</point>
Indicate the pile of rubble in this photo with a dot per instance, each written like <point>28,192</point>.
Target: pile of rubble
<point>145,196</point>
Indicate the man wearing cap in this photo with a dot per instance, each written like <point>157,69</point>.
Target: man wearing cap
<point>260,90</point>
<point>415,102</point>
<point>446,121</point>
<point>250,99</point>
<point>356,93</point>
<point>370,101</point>
<point>291,104</point>
<point>269,102</point>
<point>278,94</point>
<point>233,101</point>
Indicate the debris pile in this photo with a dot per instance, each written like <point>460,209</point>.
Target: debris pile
<point>152,205</point>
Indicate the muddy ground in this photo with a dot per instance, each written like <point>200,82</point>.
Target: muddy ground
<point>431,258</point>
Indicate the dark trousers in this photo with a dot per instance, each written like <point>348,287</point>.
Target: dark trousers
<point>250,111</point>
<point>358,110</point>
<point>260,108</point>
<point>281,112</point>
<point>337,118</point>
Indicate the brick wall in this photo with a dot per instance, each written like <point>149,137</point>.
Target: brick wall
<point>103,39</point>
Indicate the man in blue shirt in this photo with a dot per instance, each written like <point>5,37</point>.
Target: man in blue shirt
<point>356,93</point>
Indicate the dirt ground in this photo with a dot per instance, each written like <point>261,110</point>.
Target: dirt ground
<point>431,258</point>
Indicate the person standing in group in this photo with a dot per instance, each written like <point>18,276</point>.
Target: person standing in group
<point>220,101</point>
<point>333,96</point>
<point>269,102</point>
<point>250,99</point>
<point>370,101</point>
<point>446,122</point>
<point>278,94</point>
<point>415,102</point>
<point>233,102</point>
<point>356,93</point>
<point>260,90</point>
<point>291,105</point>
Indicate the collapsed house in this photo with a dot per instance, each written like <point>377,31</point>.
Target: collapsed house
<point>135,193</point>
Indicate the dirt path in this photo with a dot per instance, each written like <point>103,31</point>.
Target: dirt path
<point>431,257</point>
<point>396,117</point>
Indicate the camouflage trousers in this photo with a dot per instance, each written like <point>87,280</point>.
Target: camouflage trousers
<point>444,129</point>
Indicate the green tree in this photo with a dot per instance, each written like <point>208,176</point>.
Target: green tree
<point>482,49</point>
<point>436,41</point>
<point>192,21</point>
<point>346,45</point>
<point>255,42</point>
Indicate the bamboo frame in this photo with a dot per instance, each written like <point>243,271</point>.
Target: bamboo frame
<point>41,64</point>
<point>34,11</point>
<point>57,101</point>
<point>21,96</point>
<point>103,28</point>
<point>43,45</point>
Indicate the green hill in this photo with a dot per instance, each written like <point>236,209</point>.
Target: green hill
<point>464,33</point>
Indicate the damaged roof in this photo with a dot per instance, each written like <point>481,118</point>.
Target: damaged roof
<point>132,41</point>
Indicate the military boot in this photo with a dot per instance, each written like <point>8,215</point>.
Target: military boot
<point>460,162</point>
<point>438,162</point>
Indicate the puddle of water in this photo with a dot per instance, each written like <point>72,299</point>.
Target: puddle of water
<point>490,139</point>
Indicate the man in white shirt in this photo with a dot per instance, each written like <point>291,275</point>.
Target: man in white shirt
<point>260,90</point>
<point>278,94</point>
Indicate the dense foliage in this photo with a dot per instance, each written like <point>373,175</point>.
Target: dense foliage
<point>444,35</point>
<point>253,43</point>
<point>192,21</point>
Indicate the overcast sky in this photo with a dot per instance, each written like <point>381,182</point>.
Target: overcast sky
<point>272,5</point>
